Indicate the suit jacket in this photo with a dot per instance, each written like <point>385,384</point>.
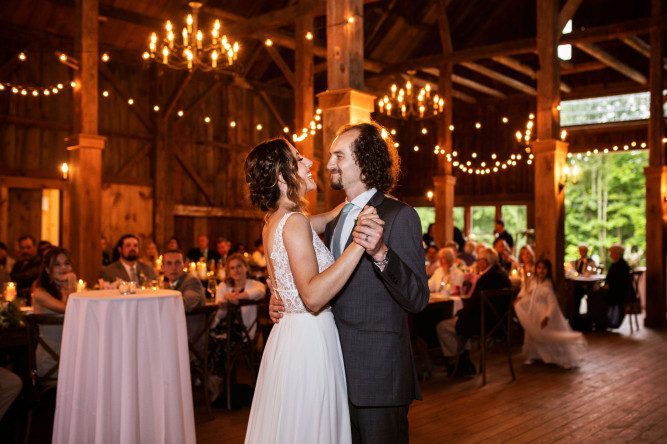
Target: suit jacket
<point>468,322</point>
<point>584,263</point>
<point>371,311</point>
<point>195,253</point>
<point>116,270</point>
<point>618,279</point>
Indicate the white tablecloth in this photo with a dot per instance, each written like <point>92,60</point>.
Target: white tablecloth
<point>124,372</point>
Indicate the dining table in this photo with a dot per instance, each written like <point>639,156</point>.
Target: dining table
<point>124,373</point>
<point>586,283</point>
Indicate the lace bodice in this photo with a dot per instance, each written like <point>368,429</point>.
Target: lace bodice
<point>282,279</point>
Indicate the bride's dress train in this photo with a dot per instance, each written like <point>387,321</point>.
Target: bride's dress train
<point>301,394</point>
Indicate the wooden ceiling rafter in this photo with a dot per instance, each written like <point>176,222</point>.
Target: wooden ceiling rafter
<point>582,67</point>
<point>271,107</point>
<point>502,78</point>
<point>611,61</point>
<point>282,65</point>
<point>525,69</point>
<point>640,46</point>
<point>567,13</point>
<point>468,83</point>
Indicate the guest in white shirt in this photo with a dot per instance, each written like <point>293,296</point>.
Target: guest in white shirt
<point>257,258</point>
<point>446,273</point>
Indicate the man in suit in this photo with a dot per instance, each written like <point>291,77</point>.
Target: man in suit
<point>127,268</point>
<point>501,233</point>
<point>202,250</point>
<point>223,246</point>
<point>26,271</point>
<point>371,311</point>
<point>606,304</point>
<point>467,321</point>
<point>190,287</point>
<point>584,265</point>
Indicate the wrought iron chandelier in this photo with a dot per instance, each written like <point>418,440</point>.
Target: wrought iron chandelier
<point>192,52</point>
<point>405,103</point>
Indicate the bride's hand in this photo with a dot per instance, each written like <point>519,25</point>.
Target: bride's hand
<point>368,233</point>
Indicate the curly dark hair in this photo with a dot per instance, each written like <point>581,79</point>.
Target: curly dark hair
<point>44,280</point>
<point>267,161</point>
<point>376,156</point>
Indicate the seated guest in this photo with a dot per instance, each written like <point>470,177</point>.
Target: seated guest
<point>26,271</point>
<point>584,265</point>
<point>468,255</point>
<point>127,267</point>
<point>50,292</point>
<point>428,237</point>
<point>257,259</point>
<point>606,304</point>
<point>4,278</point>
<point>223,247</point>
<point>6,261</point>
<point>106,259</point>
<point>10,388</point>
<point>431,260</point>
<point>447,272</point>
<point>467,321</point>
<point>150,256</point>
<point>547,334</point>
<point>505,259</point>
<point>527,261</point>
<point>455,248</point>
<point>460,239</point>
<point>501,233</point>
<point>202,251</point>
<point>235,288</point>
<point>190,287</point>
<point>238,248</point>
<point>173,243</point>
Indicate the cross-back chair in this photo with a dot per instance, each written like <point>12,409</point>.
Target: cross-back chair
<point>198,345</point>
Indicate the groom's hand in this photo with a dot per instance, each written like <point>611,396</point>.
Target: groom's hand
<point>276,306</point>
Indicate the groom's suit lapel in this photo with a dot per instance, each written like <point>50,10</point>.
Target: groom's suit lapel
<point>375,201</point>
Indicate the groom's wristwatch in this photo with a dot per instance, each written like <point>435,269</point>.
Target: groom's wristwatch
<point>383,262</point>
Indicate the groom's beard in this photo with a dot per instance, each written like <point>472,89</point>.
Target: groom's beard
<point>336,184</point>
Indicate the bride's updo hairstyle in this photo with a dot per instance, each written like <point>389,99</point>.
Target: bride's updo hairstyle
<point>267,161</point>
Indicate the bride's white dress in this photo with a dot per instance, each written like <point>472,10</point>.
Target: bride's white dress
<point>301,395</point>
<point>556,343</point>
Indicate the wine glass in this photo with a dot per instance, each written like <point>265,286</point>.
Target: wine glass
<point>212,287</point>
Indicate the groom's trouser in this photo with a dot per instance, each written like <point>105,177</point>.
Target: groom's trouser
<point>379,425</point>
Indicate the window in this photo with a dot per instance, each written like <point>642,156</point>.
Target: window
<point>565,51</point>
<point>482,222</point>
<point>516,223</point>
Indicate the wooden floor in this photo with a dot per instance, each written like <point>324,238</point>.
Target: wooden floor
<point>618,395</point>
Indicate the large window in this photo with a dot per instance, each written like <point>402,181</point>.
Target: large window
<point>515,220</point>
<point>607,205</point>
<point>482,223</point>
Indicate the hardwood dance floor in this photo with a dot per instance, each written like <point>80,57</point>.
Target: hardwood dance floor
<point>618,395</point>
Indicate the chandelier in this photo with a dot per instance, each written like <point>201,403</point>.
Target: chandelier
<point>406,103</point>
<point>192,52</point>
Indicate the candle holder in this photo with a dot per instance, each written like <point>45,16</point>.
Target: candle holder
<point>9,292</point>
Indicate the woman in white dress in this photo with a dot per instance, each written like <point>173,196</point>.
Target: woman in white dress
<point>301,394</point>
<point>548,335</point>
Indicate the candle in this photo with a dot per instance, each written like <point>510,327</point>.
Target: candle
<point>80,286</point>
<point>10,291</point>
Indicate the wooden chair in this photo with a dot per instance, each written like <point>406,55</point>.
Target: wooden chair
<point>245,349</point>
<point>495,323</point>
<point>39,385</point>
<point>198,345</point>
<point>633,304</point>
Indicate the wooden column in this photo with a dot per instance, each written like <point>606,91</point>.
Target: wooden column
<point>550,153</point>
<point>85,149</point>
<point>304,96</point>
<point>343,102</point>
<point>656,186</point>
<point>445,183</point>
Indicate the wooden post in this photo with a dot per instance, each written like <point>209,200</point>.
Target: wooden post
<point>550,153</point>
<point>343,102</point>
<point>656,186</point>
<point>85,149</point>
<point>445,182</point>
<point>304,96</point>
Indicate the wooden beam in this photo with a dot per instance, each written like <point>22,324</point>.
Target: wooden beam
<point>195,178</point>
<point>640,46</point>
<point>176,95</point>
<point>272,19</point>
<point>463,96</point>
<point>500,78</point>
<point>525,69</point>
<point>582,67</point>
<point>134,159</point>
<point>232,213</point>
<point>603,56</point>
<point>567,13</point>
<point>269,104</point>
<point>251,61</point>
<point>199,100</point>
<point>443,27</point>
<point>107,74</point>
<point>468,83</point>
<point>277,58</point>
<point>28,181</point>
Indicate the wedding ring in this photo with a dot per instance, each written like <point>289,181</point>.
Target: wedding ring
<point>366,238</point>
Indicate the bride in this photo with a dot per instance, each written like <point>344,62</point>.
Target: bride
<point>301,394</point>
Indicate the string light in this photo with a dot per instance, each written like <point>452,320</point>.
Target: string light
<point>268,42</point>
<point>180,113</point>
<point>207,119</point>
<point>309,35</point>
<point>22,56</point>
<point>105,57</point>
<point>156,108</point>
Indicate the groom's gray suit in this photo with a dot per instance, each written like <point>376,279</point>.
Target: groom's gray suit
<point>371,312</point>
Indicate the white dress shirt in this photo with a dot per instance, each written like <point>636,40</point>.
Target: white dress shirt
<point>359,203</point>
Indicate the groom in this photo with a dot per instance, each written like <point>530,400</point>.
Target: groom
<point>371,311</point>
